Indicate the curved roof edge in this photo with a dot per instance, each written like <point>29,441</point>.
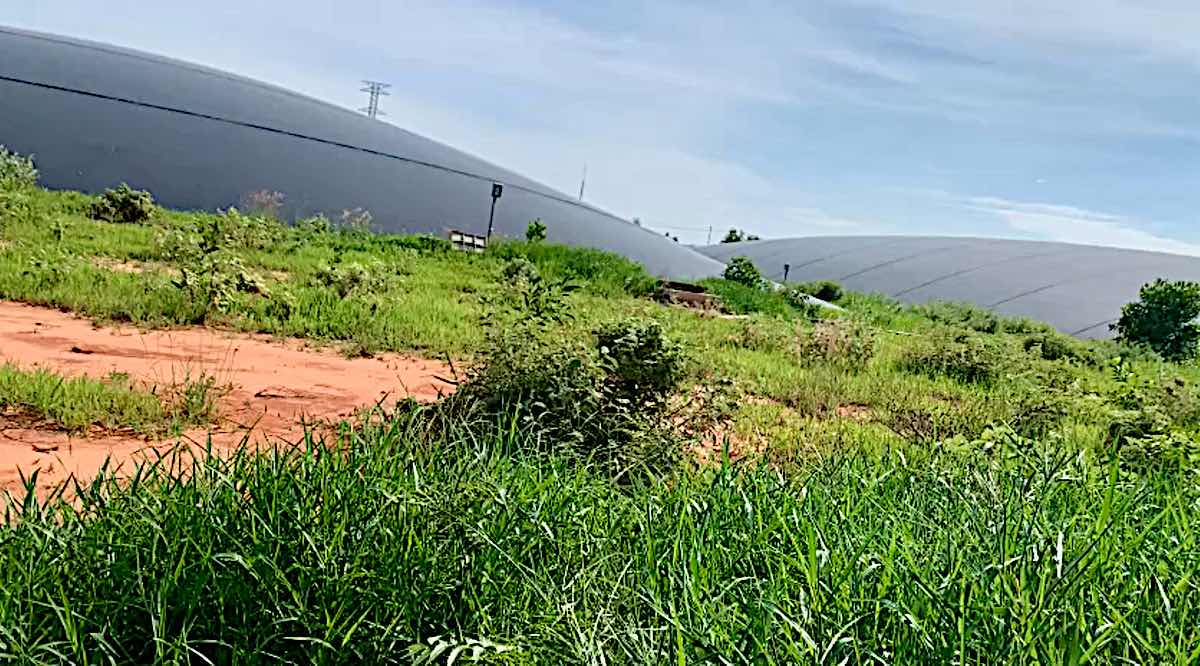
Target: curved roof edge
<point>198,137</point>
<point>1077,288</point>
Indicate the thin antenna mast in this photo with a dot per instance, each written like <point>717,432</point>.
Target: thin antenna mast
<point>583,182</point>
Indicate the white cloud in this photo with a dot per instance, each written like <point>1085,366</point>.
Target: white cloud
<point>1076,225</point>
<point>1163,29</point>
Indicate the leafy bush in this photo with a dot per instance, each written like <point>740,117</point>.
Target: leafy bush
<point>354,277</point>
<point>123,204</point>
<point>249,231</point>
<point>1153,421</point>
<point>956,353</point>
<point>16,171</point>
<point>535,232</point>
<point>1163,319</point>
<point>743,271</point>
<point>642,363</point>
<point>604,403</point>
<point>1056,347</point>
<point>846,343</point>
<point>210,272</point>
<point>518,269</point>
<point>826,290</point>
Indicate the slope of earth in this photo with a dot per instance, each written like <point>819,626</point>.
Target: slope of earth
<point>266,389</point>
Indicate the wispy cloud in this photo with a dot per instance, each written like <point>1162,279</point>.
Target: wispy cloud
<point>1076,225</point>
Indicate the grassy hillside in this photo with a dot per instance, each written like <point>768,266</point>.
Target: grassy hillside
<point>616,480</point>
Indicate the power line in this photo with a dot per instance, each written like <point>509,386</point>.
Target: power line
<point>375,90</point>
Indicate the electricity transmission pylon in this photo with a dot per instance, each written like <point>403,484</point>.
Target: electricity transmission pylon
<point>375,89</point>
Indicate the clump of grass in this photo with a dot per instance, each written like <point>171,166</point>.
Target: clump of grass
<point>846,343</point>
<point>111,403</point>
<point>79,402</point>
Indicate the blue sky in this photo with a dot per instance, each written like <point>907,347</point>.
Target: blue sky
<point>1074,120</point>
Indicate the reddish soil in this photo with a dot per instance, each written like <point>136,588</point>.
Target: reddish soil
<point>273,387</point>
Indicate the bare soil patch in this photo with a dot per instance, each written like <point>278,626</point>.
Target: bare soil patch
<point>275,387</point>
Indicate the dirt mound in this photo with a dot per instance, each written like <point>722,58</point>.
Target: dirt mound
<point>274,386</point>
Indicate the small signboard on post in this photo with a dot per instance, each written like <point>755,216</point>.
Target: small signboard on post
<point>467,242</point>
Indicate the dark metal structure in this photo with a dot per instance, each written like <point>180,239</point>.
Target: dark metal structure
<point>94,116</point>
<point>1077,288</point>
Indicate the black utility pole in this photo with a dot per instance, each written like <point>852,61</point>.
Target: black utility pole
<point>497,192</point>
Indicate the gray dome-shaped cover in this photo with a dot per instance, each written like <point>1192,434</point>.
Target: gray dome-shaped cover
<point>1079,289</point>
<point>197,138</point>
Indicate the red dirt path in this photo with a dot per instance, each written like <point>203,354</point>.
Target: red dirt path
<point>275,385</point>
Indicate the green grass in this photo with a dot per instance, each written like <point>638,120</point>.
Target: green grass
<point>947,495</point>
<point>359,556</point>
<point>76,403</point>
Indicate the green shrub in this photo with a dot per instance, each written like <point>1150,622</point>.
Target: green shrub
<point>743,271</point>
<point>1163,319</point>
<point>605,404</point>
<point>123,204</point>
<point>518,269</point>
<point>535,232</point>
<point>1056,347</point>
<point>249,231</point>
<point>956,353</point>
<point>845,343</point>
<point>211,273</point>
<point>826,290</point>
<point>355,277</point>
<point>16,171</point>
<point>642,363</point>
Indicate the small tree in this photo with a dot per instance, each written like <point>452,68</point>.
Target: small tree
<point>1163,319</point>
<point>536,231</point>
<point>743,271</point>
<point>737,236</point>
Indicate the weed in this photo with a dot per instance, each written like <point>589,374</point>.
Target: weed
<point>124,205</point>
<point>846,343</point>
<point>211,274</point>
<point>535,232</point>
